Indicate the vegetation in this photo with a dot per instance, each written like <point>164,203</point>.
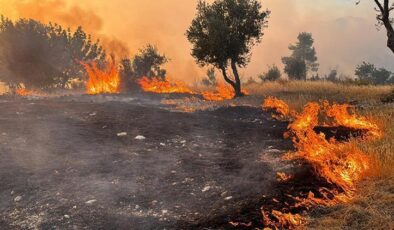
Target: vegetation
<point>223,34</point>
<point>147,63</point>
<point>43,56</point>
<point>273,74</point>
<point>368,73</point>
<point>302,59</point>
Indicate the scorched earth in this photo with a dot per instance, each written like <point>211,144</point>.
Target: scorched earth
<point>124,162</point>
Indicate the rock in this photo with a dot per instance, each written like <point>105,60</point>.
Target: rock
<point>162,144</point>
<point>93,114</point>
<point>140,137</point>
<point>18,198</point>
<point>228,198</point>
<point>122,134</point>
<point>90,201</point>
<point>206,188</point>
<point>67,216</point>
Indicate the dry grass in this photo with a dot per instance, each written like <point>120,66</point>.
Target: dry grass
<point>373,208</point>
<point>298,93</point>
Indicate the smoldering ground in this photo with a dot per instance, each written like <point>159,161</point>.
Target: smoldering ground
<point>63,163</point>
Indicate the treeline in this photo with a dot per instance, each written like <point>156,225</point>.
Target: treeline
<point>303,63</point>
<point>42,56</point>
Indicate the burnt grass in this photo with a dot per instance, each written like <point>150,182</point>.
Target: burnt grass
<point>193,171</point>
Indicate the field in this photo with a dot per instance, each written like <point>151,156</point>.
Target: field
<point>79,161</point>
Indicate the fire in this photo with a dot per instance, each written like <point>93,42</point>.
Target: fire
<point>223,92</point>
<point>283,176</point>
<point>25,92</point>
<point>156,85</point>
<point>22,92</point>
<point>340,164</point>
<point>341,116</point>
<point>105,80</point>
<point>278,106</point>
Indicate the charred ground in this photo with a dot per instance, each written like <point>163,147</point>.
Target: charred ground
<point>193,170</point>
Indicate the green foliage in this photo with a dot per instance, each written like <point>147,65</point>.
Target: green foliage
<point>148,63</point>
<point>224,32</point>
<point>210,80</point>
<point>272,74</point>
<point>302,59</point>
<point>295,68</point>
<point>368,73</point>
<point>43,56</point>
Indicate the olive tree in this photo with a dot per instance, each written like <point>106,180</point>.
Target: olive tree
<point>223,33</point>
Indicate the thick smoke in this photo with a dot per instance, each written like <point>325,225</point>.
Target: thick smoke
<point>67,15</point>
<point>345,34</point>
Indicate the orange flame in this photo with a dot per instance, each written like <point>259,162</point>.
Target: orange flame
<point>105,80</point>
<point>223,92</point>
<point>340,164</point>
<point>342,117</point>
<point>278,106</point>
<point>22,92</point>
<point>156,85</point>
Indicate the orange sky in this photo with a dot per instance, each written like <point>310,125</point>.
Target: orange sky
<point>345,34</point>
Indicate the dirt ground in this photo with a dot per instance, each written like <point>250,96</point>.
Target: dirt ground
<point>64,166</point>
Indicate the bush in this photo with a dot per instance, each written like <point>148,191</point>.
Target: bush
<point>272,74</point>
<point>43,56</point>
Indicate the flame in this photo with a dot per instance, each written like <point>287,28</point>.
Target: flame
<point>281,176</point>
<point>278,106</point>
<point>156,85</point>
<point>25,92</point>
<point>22,92</point>
<point>223,92</point>
<point>105,80</point>
<point>341,116</point>
<point>339,164</point>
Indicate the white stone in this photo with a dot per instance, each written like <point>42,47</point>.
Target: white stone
<point>140,137</point>
<point>90,201</point>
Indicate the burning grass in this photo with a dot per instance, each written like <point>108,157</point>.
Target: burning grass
<point>337,166</point>
<point>156,85</point>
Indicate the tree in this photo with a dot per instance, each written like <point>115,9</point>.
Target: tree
<point>272,74</point>
<point>303,58</point>
<point>368,73</point>
<point>43,56</point>
<point>332,75</point>
<point>384,9</point>
<point>223,34</point>
<point>210,80</point>
<point>148,63</point>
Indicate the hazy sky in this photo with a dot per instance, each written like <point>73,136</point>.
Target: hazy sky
<point>345,34</point>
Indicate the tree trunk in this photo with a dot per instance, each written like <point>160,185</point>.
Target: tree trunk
<point>385,18</point>
<point>390,37</point>
<point>237,85</point>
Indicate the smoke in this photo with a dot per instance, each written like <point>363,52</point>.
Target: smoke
<point>67,15</point>
<point>345,34</point>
